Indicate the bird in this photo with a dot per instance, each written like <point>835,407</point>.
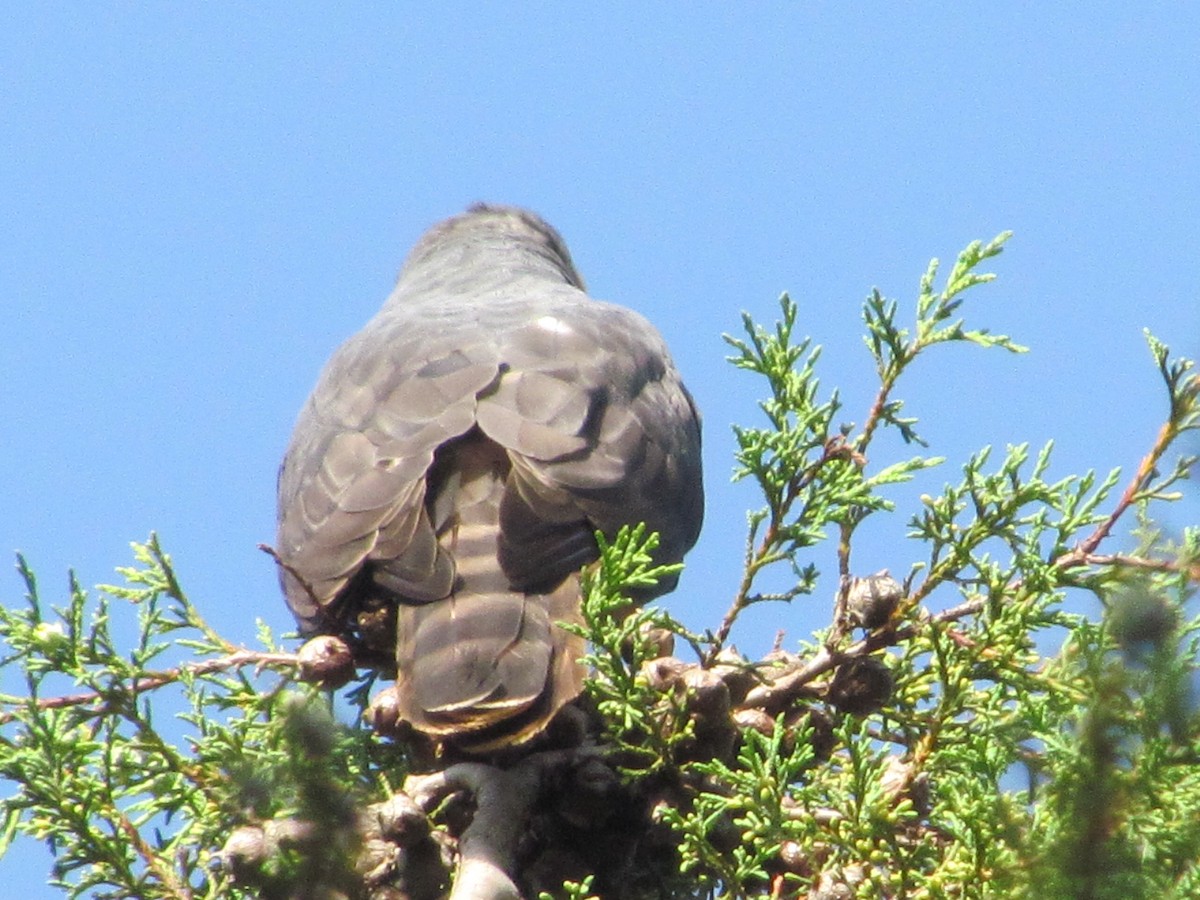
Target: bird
<point>447,476</point>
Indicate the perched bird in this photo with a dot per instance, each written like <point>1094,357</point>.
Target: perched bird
<point>446,478</point>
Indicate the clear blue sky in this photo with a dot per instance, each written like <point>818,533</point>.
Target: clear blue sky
<point>200,204</point>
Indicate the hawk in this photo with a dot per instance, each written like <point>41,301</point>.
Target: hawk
<point>450,470</point>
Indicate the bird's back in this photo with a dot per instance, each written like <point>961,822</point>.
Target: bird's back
<point>456,459</point>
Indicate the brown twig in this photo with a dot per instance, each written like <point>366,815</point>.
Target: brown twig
<point>767,551</point>
<point>1145,472</point>
<point>875,415</point>
<point>1190,569</point>
<point>152,860</point>
<point>274,554</point>
<point>154,680</point>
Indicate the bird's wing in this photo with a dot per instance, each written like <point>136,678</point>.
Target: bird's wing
<point>353,481</point>
<point>601,433</point>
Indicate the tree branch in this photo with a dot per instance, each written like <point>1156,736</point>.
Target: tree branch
<point>155,680</point>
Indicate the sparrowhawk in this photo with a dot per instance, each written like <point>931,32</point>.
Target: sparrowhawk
<point>449,472</point>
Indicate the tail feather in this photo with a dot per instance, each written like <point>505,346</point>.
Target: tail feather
<point>486,666</point>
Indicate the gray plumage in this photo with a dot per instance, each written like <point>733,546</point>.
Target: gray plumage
<point>455,460</point>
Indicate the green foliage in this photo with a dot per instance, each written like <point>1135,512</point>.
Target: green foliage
<point>573,890</point>
<point>998,767</point>
<point>618,635</point>
<point>982,739</point>
<point>812,475</point>
<point>756,798</point>
<point>127,810</point>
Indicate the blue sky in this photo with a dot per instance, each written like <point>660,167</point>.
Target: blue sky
<point>202,202</point>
